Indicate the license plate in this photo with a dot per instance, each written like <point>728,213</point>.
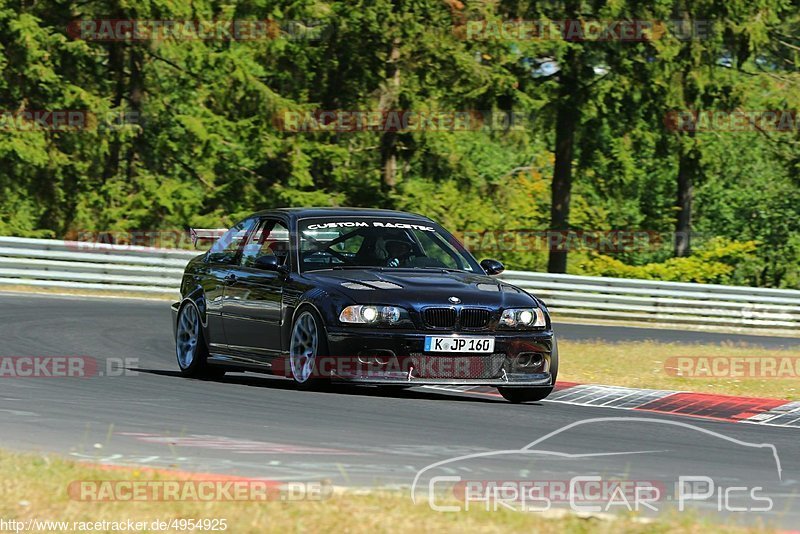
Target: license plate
<point>459,344</point>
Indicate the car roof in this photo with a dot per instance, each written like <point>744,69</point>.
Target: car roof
<point>302,213</point>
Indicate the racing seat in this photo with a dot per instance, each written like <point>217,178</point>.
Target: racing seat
<point>369,253</point>
<point>281,250</point>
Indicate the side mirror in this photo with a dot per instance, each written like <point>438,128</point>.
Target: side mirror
<point>492,267</point>
<point>270,263</point>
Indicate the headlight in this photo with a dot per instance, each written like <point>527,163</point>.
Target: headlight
<point>523,318</point>
<point>361,314</point>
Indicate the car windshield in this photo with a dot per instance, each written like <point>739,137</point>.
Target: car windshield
<point>355,242</point>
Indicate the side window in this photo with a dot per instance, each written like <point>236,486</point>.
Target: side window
<point>227,247</point>
<point>271,239</point>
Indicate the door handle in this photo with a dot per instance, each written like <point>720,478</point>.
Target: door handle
<point>230,279</point>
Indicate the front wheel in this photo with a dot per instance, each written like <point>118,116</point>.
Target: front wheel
<point>307,344</point>
<point>190,347</point>
<point>518,395</point>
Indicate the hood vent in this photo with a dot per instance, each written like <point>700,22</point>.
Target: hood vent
<point>489,287</point>
<point>368,285</point>
<point>356,285</point>
<point>383,284</point>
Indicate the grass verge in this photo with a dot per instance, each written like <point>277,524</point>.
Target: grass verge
<point>652,365</point>
<point>35,487</point>
<point>92,293</point>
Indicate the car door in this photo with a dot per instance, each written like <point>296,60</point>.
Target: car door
<point>219,261</point>
<point>252,309</point>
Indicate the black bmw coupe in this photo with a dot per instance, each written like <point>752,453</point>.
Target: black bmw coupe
<point>364,296</point>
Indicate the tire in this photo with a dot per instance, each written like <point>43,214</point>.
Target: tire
<point>307,343</point>
<point>519,395</point>
<point>190,346</point>
<point>395,389</point>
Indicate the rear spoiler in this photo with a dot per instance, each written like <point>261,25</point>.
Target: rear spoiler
<point>205,234</point>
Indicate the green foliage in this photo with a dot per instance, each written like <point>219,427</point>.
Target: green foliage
<point>715,263</point>
<point>204,146</point>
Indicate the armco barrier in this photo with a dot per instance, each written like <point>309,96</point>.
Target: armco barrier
<point>666,302</point>
<point>80,265</point>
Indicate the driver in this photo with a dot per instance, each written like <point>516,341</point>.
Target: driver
<point>397,251</point>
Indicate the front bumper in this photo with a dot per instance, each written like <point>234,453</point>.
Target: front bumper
<point>385,357</point>
<point>516,381</point>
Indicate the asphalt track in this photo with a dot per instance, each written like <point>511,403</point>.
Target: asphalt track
<point>260,426</point>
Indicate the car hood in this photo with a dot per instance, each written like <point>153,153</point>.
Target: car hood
<point>416,287</point>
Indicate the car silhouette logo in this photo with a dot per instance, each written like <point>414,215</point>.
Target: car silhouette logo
<point>454,300</point>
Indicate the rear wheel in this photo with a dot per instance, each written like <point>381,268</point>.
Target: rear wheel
<point>518,395</point>
<point>190,347</point>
